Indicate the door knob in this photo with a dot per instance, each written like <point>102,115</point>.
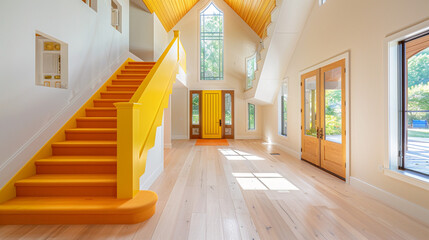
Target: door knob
<point>220,122</point>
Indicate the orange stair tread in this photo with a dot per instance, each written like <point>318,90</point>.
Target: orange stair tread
<point>91,130</point>
<point>69,180</point>
<point>77,160</point>
<point>79,205</point>
<point>101,108</point>
<point>119,92</point>
<point>97,118</point>
<point>83,143</point>
<point>112,100</point>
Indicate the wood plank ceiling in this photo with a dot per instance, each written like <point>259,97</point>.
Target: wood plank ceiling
<point>256,13</point>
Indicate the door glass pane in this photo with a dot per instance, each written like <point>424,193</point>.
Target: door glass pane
<point>417,109</point>
<point>333,123</point>
<point>310,106</point>
<point>228,109</point>
<point>195,109</point>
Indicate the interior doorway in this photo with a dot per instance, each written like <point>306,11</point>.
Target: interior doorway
<point>211,114</point>
<point>323,117</point>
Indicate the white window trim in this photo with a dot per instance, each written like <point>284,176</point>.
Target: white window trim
<point>247,118</point>
<point>279,107</point>
<point>199,45</point>
<point>346,56</point>
<point>390,54</point>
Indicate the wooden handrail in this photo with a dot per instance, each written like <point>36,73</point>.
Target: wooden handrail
<point>139,118</point>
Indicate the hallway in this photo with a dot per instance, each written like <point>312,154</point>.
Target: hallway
<point>243,192</point>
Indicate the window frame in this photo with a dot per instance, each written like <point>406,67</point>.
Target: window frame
<point>402,85</point>
<point>248,117</point>
<point>220,81</point>
<point>92,4</point>
<point>120,21</point>
<point>392,74</point>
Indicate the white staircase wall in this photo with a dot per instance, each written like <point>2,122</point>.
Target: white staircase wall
<point>288,20</point>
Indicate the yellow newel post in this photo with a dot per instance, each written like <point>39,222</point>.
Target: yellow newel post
<point>127,155</point>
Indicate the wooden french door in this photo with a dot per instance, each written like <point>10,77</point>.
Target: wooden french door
<point>212,114</point>
<point>323,118</point>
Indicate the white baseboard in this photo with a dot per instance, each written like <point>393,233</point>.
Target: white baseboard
<point>248,137</point>
<point>289,151</point>
<point>402,205</point>
<point>17,160</point>
<point>179,137</point>
<point>145,185</point>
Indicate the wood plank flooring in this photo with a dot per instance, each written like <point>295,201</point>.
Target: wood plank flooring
<point>242,192</point>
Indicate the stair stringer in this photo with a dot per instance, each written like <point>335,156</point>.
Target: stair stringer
<point>8,191</point>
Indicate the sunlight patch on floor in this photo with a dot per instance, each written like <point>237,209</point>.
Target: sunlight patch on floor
<point>232,154</point>
<point>264,181</point>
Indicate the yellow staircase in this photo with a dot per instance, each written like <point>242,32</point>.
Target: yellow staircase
<point>78,182</point>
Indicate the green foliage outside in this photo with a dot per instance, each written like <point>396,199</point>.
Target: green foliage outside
<point>228,108</point>
<point>251,68</point>
<point>212,47</point>
<point>251,116</point>
<point>195,109</point>
<point>418,86</point>
<point>333,112</point>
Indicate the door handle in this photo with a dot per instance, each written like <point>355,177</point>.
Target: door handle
<point>321,133</point>
<point>220,122</point>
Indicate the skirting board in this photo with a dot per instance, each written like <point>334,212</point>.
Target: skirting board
<point>248,137</point>
<point>404,206</point>
<point>289,151</point>
<point>147,183</point>
<point>179,137</point>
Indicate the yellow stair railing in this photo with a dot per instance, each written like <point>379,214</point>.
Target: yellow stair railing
<point>139,118</point>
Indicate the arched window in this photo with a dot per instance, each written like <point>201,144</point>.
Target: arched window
<point>211,43</point>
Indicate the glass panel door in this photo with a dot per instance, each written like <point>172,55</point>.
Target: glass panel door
<point>310,102</point>
<point>331,133</point>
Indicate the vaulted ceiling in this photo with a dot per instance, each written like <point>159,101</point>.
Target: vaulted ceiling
<point>256,13</point>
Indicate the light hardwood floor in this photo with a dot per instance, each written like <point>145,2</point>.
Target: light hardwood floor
<point>208,193</point>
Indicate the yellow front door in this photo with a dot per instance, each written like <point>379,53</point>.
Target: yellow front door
<point>212,114</point>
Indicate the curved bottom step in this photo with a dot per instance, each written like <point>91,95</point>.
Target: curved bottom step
<point>78,210</point>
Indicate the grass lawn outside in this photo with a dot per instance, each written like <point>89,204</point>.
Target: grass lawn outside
<point>422,133</point>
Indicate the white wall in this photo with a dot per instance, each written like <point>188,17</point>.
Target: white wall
<point>154,161</point>
<point>148,38</point>
<point>179,113</point>
<point>240,41</point>
<point>359,27</point>
<point>161,38</point>
<point>30,114</point>
<point>141,33</point>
